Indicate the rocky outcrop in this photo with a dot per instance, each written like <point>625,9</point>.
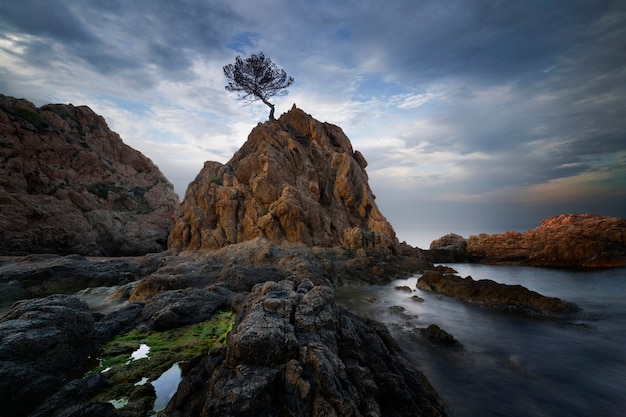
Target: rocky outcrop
<point>448,248</point>
<point>568,240</point>
<point>294,180</point>
<point>292,349</point>
<point>510,298</point>
<point>68,184</point>
<point>294,352</point>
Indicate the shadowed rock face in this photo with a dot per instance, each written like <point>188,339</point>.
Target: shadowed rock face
<point>294,180</point>
<point>568,240</point>
<point>294,352</point>
<point>68,184</point>
<point>448,248</point>
<point>511,298</point>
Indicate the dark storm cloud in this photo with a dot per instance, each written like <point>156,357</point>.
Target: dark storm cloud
<point>119,36</point>
<point>490,41</point>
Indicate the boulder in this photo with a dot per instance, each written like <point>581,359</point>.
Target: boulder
<point>448,248</point>
<point>564,241</point>
<point>294,180</point>
<point>68,184</point>
<point>42,342</point>
<point>510,298</point>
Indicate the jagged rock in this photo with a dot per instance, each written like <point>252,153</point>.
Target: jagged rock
<point>292,351</point>
<point>511,298</point>
<point>42,342</point>
<point>448,248</point>
<point>294,180</point>
<point>568,240</point>
<point>68,184</point>
<point>439,337</point>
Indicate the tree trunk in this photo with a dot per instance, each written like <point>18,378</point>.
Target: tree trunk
<point>270,105</point>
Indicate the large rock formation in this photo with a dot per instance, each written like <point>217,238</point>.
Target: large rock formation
<point>568,240</point>
<point>294,180</point>
<point>68,184</point>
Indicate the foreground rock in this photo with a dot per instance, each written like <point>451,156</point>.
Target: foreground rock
<point>566,241</point>
<point>510,298</point>
<point>294,352</point>
<point>294,180</point>
<point>42,343</point>
<point>291,348</point>
<point>68,185</point>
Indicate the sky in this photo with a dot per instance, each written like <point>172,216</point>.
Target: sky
<point>475,116</point>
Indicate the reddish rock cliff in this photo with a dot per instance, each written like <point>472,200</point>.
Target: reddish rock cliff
<point>68,184</point>
<point>294,180</point>
<point>568,240</point>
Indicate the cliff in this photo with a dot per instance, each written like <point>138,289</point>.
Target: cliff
<point>294,180</point>
<point>68,184</point>
<point>567,240</point>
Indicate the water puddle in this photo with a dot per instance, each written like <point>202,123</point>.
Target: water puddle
<point>166,386</point>
<point>119,403</point>
<point>140,353</point>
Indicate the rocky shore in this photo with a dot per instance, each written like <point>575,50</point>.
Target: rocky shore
<point>291,348</point>
<point>242,301</point>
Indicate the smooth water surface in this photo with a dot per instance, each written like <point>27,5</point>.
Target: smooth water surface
<point>166,386</point>
<point>513,365</point>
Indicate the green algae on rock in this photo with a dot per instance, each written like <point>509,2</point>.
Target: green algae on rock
<point>127,376</point>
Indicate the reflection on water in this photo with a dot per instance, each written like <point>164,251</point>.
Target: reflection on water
<point>166,386</point>
<point>511,365</point>
<point>140,353</point>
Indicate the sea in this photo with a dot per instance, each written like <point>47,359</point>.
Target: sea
<point>513,365</point>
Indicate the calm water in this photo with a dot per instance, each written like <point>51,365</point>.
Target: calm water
<point>515,366</point>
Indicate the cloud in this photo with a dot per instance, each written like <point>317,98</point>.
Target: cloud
<point>463,108</point>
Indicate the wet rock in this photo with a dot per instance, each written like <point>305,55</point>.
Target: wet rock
<point>439,337</point>
<point>511,298</point>
<point>405,288</point>
<point>73,400</point>
<point>42,342</point>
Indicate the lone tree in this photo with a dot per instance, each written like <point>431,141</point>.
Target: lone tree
<point>257,78</point>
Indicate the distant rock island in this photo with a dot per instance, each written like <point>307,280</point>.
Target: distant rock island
<point>69,185</point>
<point>564,241</point>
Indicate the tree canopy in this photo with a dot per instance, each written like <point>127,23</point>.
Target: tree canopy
<point>257,78</point>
